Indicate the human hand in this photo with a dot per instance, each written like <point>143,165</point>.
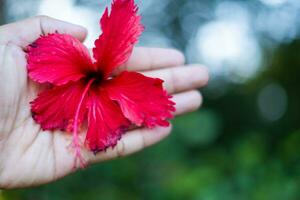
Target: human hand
<point>30,156</point>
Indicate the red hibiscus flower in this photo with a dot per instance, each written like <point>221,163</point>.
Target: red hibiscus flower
<point>85,92</point>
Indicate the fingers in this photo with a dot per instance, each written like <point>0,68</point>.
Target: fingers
<point>187,102</point>
<point>132,142</point>
<point>176,80</point>
<point>25,32</point>
<point>139,139</point>
<point>143,59</point>
<point>181,78</point>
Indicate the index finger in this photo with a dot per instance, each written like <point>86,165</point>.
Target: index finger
<point>145,59</point>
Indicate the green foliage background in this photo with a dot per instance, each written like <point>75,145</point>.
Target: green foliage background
<point>224,151</point>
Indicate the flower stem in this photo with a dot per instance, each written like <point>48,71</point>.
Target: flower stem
<point>75,142</point>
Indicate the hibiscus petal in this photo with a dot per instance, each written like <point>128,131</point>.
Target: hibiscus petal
<point>58,59</point>
<point>55,108</point>
<point>106,122</point>
<point>142,99</point>
<point>120,31</point>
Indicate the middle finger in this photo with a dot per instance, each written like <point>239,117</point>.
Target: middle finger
<point>179,79</point>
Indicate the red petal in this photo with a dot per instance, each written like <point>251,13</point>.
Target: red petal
<point>55,108</point>
<point>58,59</point>
<point>142,99</point>
<point>106,122</point>
<point>120,31</point>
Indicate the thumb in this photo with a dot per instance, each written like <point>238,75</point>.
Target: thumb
<point>23,33</point>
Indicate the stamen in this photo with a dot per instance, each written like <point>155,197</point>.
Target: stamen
<point>76,142</point>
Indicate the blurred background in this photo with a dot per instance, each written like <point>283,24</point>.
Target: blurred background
<point>244,143</point>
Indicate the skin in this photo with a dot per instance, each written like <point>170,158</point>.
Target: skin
<point>30,156</point>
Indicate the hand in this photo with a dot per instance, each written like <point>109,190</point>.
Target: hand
<point>30,156</point>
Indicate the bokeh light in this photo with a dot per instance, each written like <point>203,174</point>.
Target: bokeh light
<point>272,101</point>
<point>273,2</point>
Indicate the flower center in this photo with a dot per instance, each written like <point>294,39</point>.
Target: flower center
<point>97,76</point>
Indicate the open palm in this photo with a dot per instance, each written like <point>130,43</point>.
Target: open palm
<point>30,156</point>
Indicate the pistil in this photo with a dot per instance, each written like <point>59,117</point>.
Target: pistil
<point>75,142</point>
